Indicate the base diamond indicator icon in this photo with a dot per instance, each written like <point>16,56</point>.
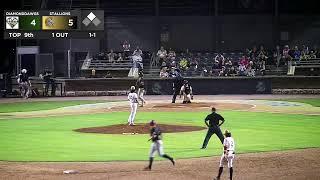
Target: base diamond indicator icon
<point>91,18</point>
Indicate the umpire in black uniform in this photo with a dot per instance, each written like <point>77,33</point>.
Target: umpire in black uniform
<point>177,83</point>
<point>215,121</point>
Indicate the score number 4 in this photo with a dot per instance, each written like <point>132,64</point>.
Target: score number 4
<point>33,22</point>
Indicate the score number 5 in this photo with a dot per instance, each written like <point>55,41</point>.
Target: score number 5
<point>70,23</point>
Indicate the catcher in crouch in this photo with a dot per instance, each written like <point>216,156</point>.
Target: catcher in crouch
<point>186,91</point>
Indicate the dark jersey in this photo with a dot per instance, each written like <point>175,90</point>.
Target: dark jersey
<point>23,77</point>
<point>178,82</point>
<point>214,119</point>
<point>140,83</point>
<point>47,75</point>
<point>155,134</point>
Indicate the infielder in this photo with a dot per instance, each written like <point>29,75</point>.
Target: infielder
<point>140,86</point>
<point>186,91</point>
<point>24,84</point>
<point>228,154</point>
<point>133,100</point>
<point>214,127</point>
<point>157,145</point>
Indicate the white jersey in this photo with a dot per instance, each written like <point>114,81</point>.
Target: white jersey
<point>133,97</point>
<point>229,143</point>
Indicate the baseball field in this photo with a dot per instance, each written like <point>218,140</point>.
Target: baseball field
<point>277,137</point>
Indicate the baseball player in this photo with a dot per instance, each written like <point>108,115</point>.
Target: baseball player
<point>228,154</point>
<point>140,86</point>
<point>186,91</point>
<point>24,84</point>
<point>215,121</point>
<point>157,145</point>
<point>176,85</point>
<point>133,100</point>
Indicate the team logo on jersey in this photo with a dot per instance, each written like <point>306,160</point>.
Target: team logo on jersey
<point>12,22</point>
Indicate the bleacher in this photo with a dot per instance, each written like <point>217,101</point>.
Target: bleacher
<point>104,68</point>
<point>106,65</point>
<point>307,67</point>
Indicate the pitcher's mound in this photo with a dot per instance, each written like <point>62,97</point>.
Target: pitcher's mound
<point>138,129</point>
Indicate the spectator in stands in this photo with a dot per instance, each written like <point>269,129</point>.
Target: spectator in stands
<point>250,69</point>
<point>137,58</point>
<point>305,50</point>
<point>316,50</point>
<point>137,52</point>
<point>126,49</point>
<point>171,54</point>
<point>194,64</point>
<point>215,68</point>
<point>164,73</point>
<point>312,55</point>
<point>228,66</point>
<point>111,56</point>
<point>219,57</point>
<point>277,55</point>
<point>162,55</point>
<point>254,53</point>
<point>285,54</point>
<point>296,53</point>
<point>183,64</point>
<point>204,72</point>
<point>304,56</point>
<point>163,64</point>
<point>244,61</point>
<point>223,71</point>
<point>262,56</point>
<point>242,70</point>
<point>120,58</point>
<point>233,71</point>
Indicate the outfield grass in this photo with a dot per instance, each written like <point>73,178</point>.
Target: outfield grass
<point>52,138</point>
<point>40,105</point>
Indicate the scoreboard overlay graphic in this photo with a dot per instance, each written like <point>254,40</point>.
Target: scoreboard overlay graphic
<point>81,24</point>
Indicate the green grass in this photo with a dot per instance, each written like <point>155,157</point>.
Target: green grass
<point>40,105</point>
<point>52,138</point>
<point>313,102</point>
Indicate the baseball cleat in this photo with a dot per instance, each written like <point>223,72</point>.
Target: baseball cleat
<point>147,168</point>
<point>173,162</point>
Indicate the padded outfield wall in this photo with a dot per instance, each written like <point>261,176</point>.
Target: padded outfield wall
<point>205,86</point>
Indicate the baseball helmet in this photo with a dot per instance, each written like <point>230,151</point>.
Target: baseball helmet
<point>140,73</point>
<point>132,88</point>
<point>227,133</point>
<point>24,71</point>
<point>152,122</point>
